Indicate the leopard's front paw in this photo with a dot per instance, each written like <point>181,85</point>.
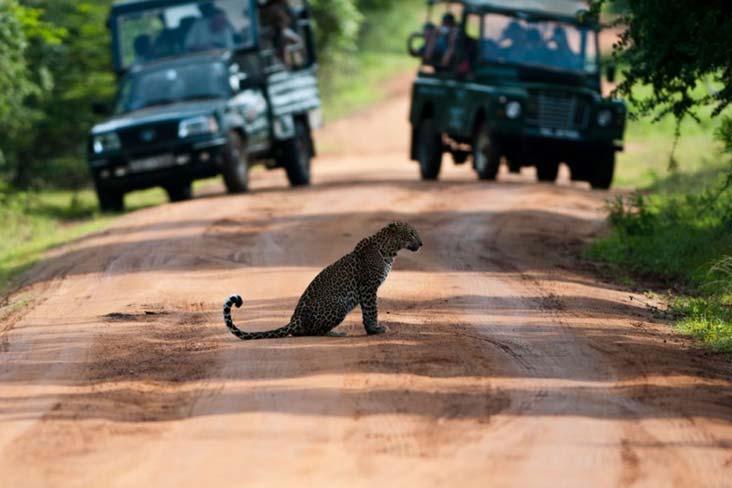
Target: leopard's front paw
<point>376,330</point>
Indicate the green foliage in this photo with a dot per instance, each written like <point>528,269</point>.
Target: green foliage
<point>381,55</point>
<point>16,85</point>
<point>672,237</point>
<point>724,133</point>
<point>56,56</point>
<point>673,47</point>
<point>337,24</point>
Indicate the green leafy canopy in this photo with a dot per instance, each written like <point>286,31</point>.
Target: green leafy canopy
<point>674,46</point>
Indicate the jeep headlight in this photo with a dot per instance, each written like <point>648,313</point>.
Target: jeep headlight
<point>106,142</point>
<point>604,118</point>
<point>513,110</point>
<point>197,125</point>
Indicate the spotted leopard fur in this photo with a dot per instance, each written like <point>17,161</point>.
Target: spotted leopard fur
<point>352,280</point>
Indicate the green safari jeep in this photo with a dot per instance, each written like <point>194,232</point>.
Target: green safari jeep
<point>514,80</point>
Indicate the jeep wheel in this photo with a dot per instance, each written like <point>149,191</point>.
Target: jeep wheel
<point>547,171</point>
<point>429,150</point>
<point>486,155</point>
<point>110,200</point>
<point>296,156</point>
<point>236,165</point>
<point>179,192</point>
<point>603,170</point>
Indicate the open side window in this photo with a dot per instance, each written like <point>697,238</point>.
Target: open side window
<point>286,38</point>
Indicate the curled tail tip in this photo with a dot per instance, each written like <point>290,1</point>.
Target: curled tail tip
<point>236,300</point>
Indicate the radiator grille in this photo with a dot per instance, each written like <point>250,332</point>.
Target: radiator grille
<point>148,134</point>
<point>554,110</point>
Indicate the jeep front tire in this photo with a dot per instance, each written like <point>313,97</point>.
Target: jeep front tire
<point>486,154</point>
<point>429,150</point>
<point>547,171</point>
<point>296,156</point>
<point>179,192</point>
<point>602,170</point>
<point>236,165</point>
<point>110,200</point>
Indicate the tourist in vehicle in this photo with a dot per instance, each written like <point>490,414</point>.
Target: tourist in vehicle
<point>535,49</point>
<point>513,42</point>
<point>212,31</point>
<point>440,48</point>
<point>143,48</point>
<point>562,52</point>
<point>278,16</point>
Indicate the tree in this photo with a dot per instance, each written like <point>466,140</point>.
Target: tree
<point>22,83</point>
<point>673,46</point>
<point>80,70</point>
<point>15,82</point>
<point>337,23</point>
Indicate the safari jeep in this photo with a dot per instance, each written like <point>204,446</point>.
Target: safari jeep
<point>206,88</point>
<point>516,81</point>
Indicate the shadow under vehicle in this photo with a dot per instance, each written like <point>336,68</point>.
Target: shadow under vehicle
<point>206,88</point>
<point>516,81</point>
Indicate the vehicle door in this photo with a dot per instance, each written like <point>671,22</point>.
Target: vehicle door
<point>464,96</point>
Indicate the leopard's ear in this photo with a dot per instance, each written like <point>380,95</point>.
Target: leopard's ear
<point>393,226</point>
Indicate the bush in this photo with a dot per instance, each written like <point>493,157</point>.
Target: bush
<point>681,234</point>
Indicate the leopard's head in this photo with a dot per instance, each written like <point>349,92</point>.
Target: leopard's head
<point>401,235</point>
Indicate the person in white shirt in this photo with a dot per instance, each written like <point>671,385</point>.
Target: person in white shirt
<point>212,31</point>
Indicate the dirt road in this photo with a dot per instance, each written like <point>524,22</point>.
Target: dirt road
<point>508,363</point>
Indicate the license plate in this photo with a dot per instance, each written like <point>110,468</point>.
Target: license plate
<point>153,163</point>
<point>560,133</point>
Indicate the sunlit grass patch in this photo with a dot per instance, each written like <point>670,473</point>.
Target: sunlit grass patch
<point>707,319</point>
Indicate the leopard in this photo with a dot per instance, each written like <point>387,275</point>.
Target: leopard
<point>351,281</point>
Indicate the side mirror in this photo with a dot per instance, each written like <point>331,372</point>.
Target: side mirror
<point>611,73</point>
<point>234,83</point>
<point>99,108</point>
<point>238,81</point>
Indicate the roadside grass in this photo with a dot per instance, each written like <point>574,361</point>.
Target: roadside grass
<point>35,222</point>
<point>678,233</point>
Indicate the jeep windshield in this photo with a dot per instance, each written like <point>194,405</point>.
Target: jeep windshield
<point>548,44</point>
<point>165,86</point>
<point>156,33</point>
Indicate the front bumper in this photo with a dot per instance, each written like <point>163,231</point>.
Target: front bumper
<point>180,161</point>
<point>530,144</point>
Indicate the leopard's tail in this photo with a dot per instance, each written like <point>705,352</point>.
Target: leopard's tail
<point>247,336</point>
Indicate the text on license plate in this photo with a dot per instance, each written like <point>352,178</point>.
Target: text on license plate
<point>560,133</point>
<point>149,164</point>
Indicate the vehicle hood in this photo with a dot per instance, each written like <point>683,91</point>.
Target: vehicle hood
<point>523,80</point>
<point>163,113</point>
